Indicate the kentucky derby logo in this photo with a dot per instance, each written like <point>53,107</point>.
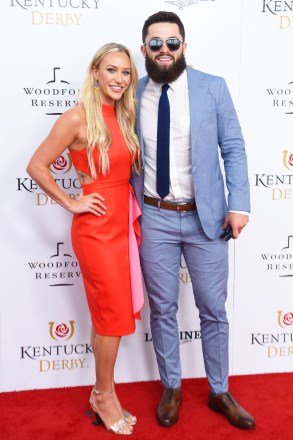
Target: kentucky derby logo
<point>288,160</point>
<point>285,320</point>
<point>181,3</point>
<point>58,356</point>
<point>61,165</point>
<point>276,345</point>
<point>276,7</point>
<point>66,12</point>
<point>279,8</point>
<point>44,5</point>
<point>61,331</point>
<point>280,183</point>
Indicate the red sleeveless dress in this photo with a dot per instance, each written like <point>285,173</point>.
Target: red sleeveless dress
<point>102,244</point>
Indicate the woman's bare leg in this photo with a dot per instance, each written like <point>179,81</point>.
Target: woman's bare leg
<point>105,350</point>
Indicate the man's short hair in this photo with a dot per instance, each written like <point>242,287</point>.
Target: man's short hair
<point>162,17</point>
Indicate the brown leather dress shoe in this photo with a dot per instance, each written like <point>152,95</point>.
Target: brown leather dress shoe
<point>234,413</point>
<point>168,409</point>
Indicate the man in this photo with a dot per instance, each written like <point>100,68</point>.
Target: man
<point>182,127</point>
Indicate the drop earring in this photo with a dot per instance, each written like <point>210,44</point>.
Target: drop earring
<point>97,89</point>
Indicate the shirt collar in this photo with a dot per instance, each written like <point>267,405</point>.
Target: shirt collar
<point>175,85</point>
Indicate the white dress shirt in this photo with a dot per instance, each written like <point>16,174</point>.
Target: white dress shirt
<point>181,182</point>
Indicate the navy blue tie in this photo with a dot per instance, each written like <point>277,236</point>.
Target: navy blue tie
<point>163,138</point>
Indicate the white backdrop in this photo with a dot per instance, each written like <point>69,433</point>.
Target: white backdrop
<point>46,46</point>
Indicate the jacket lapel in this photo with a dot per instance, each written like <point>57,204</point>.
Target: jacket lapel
<point>197,97</point>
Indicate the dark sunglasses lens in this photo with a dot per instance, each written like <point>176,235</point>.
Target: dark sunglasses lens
<point>155,45</point>
<point>173,44</point>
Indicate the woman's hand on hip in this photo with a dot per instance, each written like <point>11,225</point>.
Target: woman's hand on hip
<point>92,203</point>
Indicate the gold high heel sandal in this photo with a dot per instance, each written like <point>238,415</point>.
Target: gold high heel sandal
<point>129,418</point>
<point>116,428</point>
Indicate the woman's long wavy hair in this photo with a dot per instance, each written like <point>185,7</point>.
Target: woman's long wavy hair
<point>98,135</point>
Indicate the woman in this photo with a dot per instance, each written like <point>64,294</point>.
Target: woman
<point>99,133</point>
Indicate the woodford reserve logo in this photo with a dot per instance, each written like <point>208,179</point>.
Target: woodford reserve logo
<point>58,356</point>
<point>280,262</point>
<point>280,185</point>
<point>279,344</point>
<point>282,98</point>
<point>43,12</point>
<point>55,96</point>
<point>282,10</point>
<point>60,270</point>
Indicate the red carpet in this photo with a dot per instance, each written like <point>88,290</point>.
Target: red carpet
<point>62,413</point>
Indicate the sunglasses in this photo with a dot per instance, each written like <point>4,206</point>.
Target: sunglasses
<point>156,44</point>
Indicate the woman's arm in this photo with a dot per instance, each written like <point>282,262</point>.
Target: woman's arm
<point>65,132</point>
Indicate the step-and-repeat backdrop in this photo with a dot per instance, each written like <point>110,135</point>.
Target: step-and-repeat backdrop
<point>46,46</point>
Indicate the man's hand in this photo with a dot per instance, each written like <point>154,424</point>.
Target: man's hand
<point>237,222</point>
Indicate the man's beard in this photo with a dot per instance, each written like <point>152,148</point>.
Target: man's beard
<point>162,74</point>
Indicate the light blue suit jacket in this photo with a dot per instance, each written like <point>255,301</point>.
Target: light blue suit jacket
<point>214,128</point>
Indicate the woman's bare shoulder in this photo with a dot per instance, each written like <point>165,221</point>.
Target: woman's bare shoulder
<point>75,114</point>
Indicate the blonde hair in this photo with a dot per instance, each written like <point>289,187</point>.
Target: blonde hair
<point>98,135</point>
